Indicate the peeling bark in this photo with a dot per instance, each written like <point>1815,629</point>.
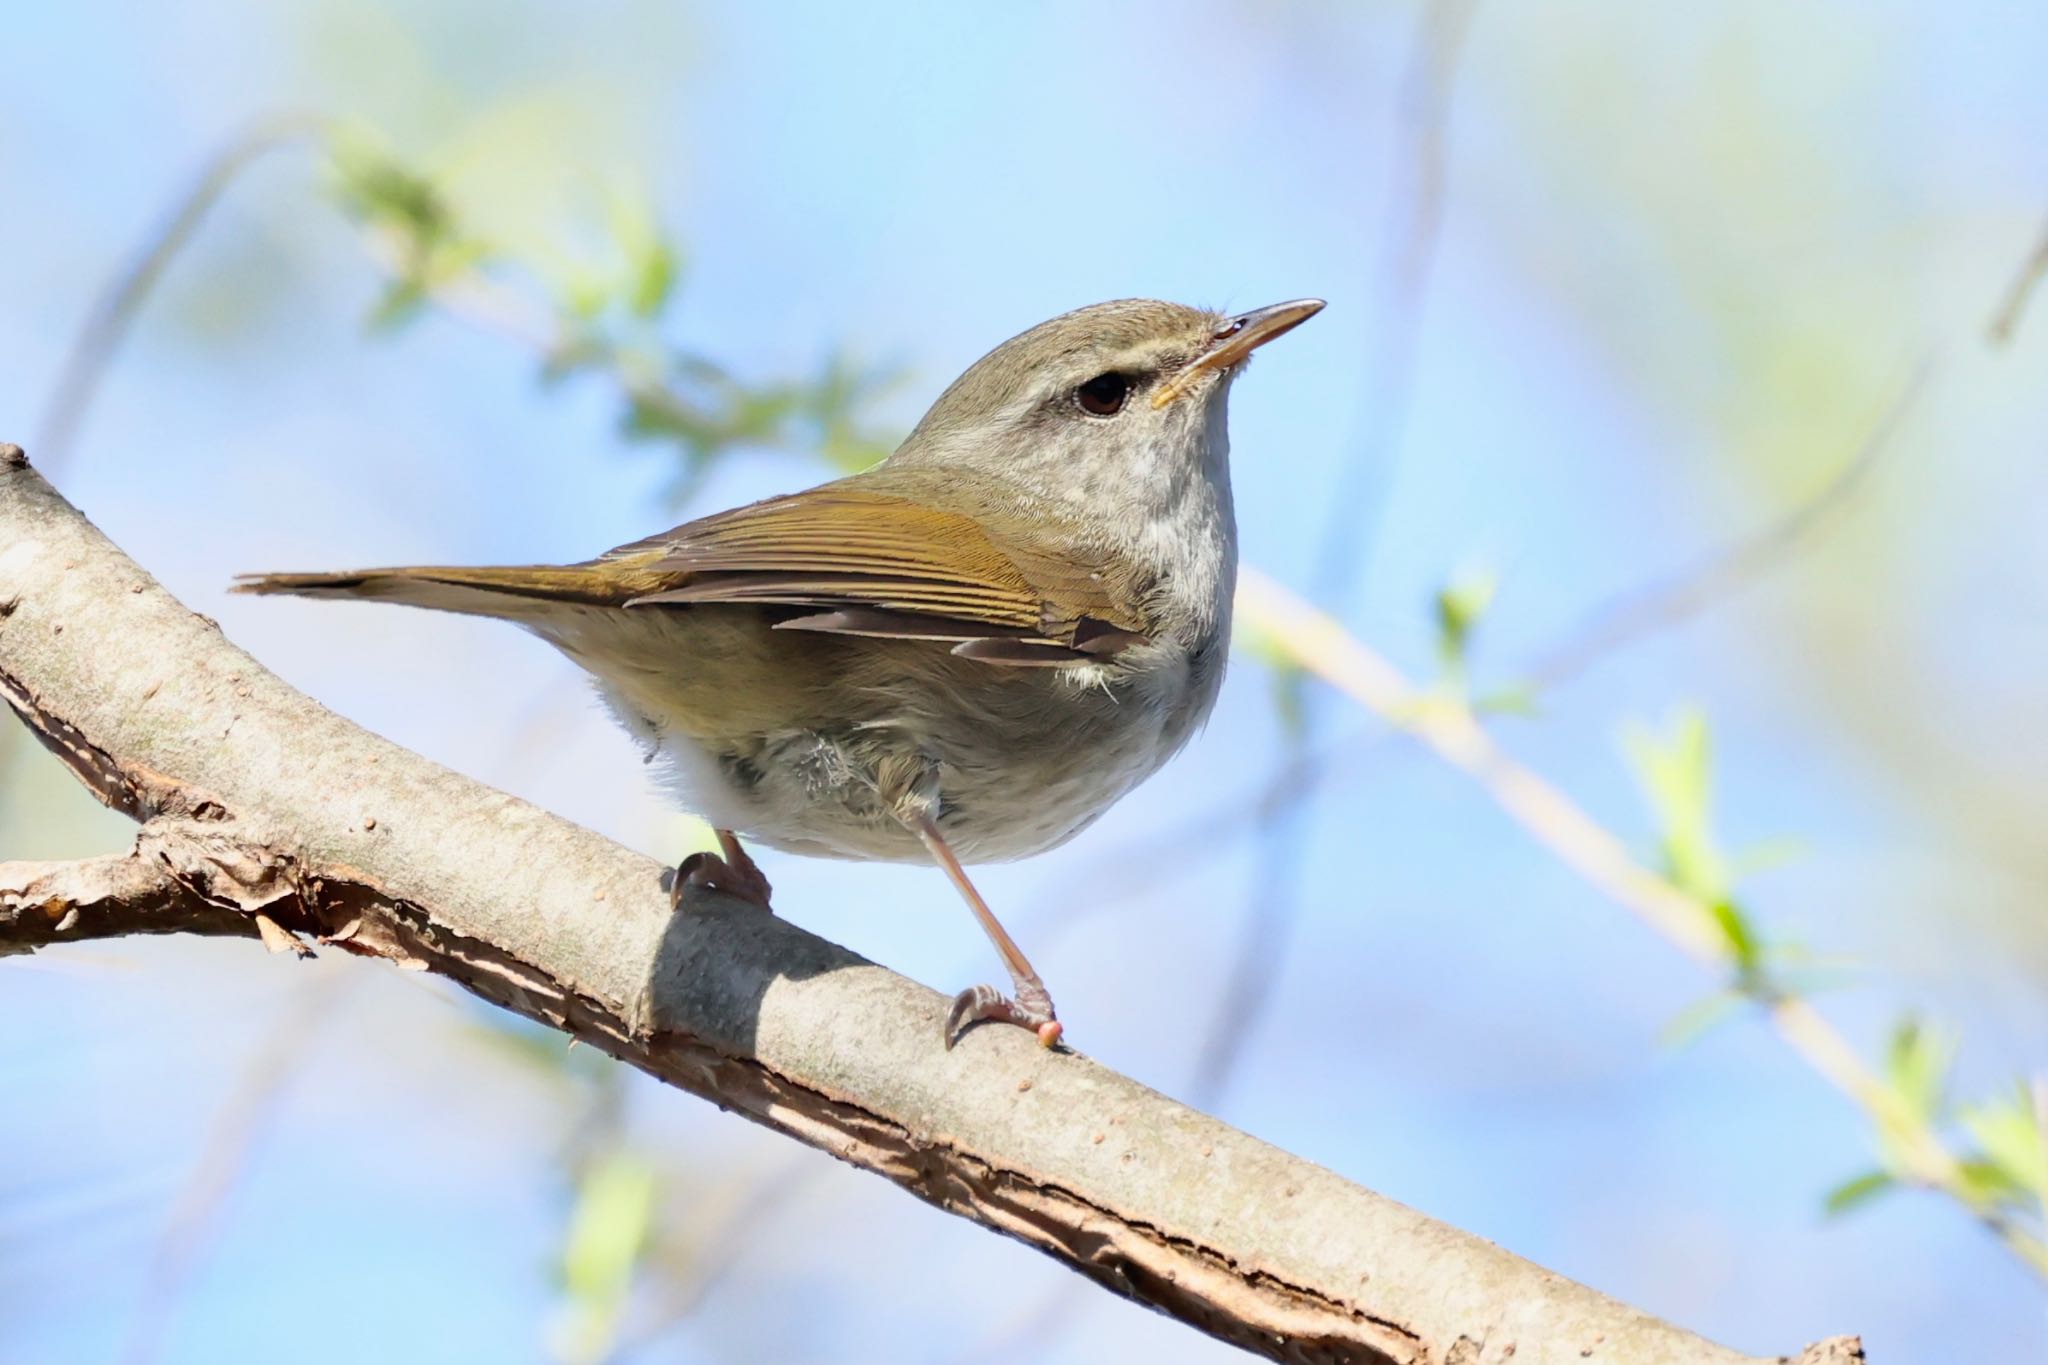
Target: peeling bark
<point>260,807</point>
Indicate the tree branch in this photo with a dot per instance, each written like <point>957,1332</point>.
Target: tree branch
<point>259,804</point>
<point>127,893</point>
<point>1321,645</point>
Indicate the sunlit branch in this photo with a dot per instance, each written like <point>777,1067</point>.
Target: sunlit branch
<point>1318,643</point>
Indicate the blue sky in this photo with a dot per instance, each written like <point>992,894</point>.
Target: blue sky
<point>1687,257</point>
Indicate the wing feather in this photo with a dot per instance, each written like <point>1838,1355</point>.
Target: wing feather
<point>880,565</point>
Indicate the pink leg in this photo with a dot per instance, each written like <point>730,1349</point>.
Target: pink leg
<point>1032,1006</point>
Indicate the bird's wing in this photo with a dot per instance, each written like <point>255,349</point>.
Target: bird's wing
<point>879,565</point>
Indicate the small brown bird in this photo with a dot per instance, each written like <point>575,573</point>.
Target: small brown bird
<point>966,653</point>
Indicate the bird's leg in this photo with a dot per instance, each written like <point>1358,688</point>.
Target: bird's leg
<point>729,870</point>
<point>1032,1007</point>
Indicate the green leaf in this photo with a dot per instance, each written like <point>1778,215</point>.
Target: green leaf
<point>608,1231</point>
<point>1744,946</point>
<point>1917,1065</point>
<point>379,190</point>
<point>1692,1022</point>
<point>1853,1194</point>
<point>2008,1131</point>
<point>651,262</point>
<point>1515,699</point>
<point>1269,648</point>
<point>583,297</point>
<point>577,351</point>
<point>542,1049</point>
<point>1677,776</point>
<point>1290,702</point>
<point>1987,1182</point>
<point>659,415</point>
<point>652,280</point>
<point>1766,857</point>
<point>400,304</point>
<point>838,398</point>
<point>1459,605</point>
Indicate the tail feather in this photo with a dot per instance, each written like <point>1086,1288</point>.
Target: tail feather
<point>513,593</point>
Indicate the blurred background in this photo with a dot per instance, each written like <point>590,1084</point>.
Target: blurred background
<point>1613,288</point>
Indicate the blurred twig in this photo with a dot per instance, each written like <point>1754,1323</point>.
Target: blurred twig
<point>692,1271</point>
<point>1419,175</point>
<point>1144,860</point>
<point>1721,573</point>
<point>670,393</point>
<point>237,1125</point>
<point>1449,727</point>
<point>1417,199</point>
<point>2012,308</point>
<point>607,322</point>
<point>114,310</point>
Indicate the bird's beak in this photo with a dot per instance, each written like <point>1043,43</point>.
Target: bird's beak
<point>1235,340</point>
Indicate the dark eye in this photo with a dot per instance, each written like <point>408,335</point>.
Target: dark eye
<point>1104,395</point>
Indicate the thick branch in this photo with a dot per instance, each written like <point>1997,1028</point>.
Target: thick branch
<point>261,805</point>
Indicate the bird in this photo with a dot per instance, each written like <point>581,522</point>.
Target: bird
<point>963,654</point>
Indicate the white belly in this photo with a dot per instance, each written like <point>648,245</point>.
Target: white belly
<point>1005,790</point>
<point>1010,761</point>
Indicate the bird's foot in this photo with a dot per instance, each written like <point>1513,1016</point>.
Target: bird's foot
<point>1032,1009</point>
<point>731,872</point>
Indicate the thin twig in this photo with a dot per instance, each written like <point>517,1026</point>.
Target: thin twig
<point>1719,574</point>
<point>2012,309</point>
<point>711,1259</point>
<point>1321,645</point>
<point>1181,847</point>
<point>474,298</point>
<point>237,1126</point>
<point>1273,909</point>
<point>1419,176</point>
<point>113,313</point>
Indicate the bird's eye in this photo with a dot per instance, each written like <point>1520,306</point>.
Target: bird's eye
<point>1104,395</point>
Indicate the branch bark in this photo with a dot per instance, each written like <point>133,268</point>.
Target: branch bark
<point>258,805</point>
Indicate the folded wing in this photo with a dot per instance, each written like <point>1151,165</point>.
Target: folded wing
<point>878,565</point>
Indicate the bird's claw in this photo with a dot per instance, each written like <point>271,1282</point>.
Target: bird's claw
<point>1031,1010</point>
<point>739,878</point>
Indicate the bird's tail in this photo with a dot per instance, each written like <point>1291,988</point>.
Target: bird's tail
<point>513,593</point>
